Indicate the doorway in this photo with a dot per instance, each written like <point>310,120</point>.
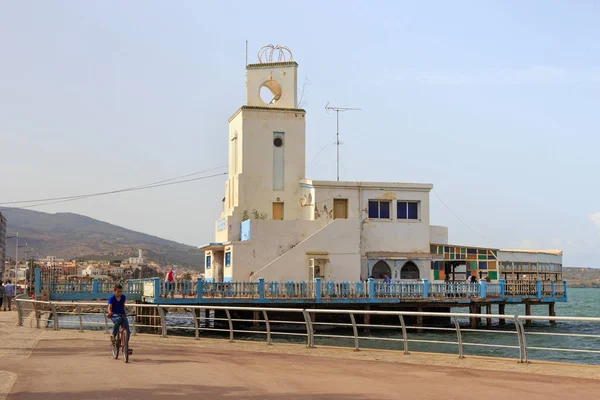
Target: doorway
<point>340,208</point>
<point>278,211</point>
<point>409,271</point>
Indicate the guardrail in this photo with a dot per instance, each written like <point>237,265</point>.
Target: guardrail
<point>208,318</point>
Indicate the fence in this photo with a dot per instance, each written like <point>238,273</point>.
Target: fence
<point>307,319</point>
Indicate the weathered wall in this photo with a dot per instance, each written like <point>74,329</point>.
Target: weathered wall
<point>268,240</point>
<point>438,234</point>
<point>339,239</point>
<point>392,235</point>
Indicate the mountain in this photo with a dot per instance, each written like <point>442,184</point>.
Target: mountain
<point>69,236</point>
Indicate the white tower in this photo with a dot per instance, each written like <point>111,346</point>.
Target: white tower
<point>266,148</point>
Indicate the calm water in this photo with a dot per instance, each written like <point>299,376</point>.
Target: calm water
<point>582,303</point>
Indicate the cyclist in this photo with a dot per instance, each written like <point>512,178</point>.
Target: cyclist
<point>116,312</point>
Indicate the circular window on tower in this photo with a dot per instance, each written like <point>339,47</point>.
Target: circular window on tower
<point>278,141</point>
<point>270,92</point>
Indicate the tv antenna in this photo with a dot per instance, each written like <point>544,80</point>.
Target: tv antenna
<point>337,140</point>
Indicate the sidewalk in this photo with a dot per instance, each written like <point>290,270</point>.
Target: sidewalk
<point>71,365</point>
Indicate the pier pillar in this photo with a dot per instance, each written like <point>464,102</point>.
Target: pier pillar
<point>551,313</point>
<point>488,320</point>
<point>479,311</point>
<point>367,319</point>
<point>501,308</point>
<point>472,321</point>
<point>420,320</point>
<point>256,318</point>
<point>528,312</point>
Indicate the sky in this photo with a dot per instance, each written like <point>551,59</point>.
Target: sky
<point>495,103</point>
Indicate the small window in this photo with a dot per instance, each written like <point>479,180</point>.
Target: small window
<point>379,209</point>
<point>408,210</point>
<point>208,258</point>
<point>228,259</point>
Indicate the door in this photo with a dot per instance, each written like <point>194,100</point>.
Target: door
<point>340,208</point>
<point>278,211</point>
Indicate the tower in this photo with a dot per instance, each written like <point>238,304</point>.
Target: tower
<point>266,147</point>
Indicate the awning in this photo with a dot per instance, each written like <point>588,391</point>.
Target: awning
<point>213,246</point>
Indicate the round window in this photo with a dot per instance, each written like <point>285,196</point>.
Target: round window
<point>278,142</point>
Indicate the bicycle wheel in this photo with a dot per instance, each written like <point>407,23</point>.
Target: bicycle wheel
<point>125,345</point>
<point>115,349</point>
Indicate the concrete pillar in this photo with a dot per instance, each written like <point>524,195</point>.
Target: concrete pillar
<point>420,319</point>
<point>473,321</point>
<point>367,319</point>
<point>551,313</point>
<point>256,318</point>
<point>528,312</point>
<point>501,308</point>
<point>488,320</point>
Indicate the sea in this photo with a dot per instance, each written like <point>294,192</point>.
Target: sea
<point>542,335</point>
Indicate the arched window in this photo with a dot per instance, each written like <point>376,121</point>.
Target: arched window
<point>380,269</point>
<point>409,271</point>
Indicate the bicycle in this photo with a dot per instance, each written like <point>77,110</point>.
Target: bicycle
<point>122,341</point>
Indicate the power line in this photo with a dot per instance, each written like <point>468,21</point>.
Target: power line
<point>111,191</point>
<point>149,186</point>
<point>457,217</point>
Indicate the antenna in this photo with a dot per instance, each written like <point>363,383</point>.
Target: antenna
<point>337,141</point>
<point>246,53</point>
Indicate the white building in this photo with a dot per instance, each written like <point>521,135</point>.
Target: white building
<point>278,224</point>
<point>136,260</point>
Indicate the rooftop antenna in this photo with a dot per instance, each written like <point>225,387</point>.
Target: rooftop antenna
<point>337,140</point>
<point>246,53</point>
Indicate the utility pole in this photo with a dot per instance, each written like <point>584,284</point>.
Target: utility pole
<point>337,137</point>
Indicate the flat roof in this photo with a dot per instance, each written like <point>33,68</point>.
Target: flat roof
<point>369,185</point>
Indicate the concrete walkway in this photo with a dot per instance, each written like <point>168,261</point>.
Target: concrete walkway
<point>45,364</point>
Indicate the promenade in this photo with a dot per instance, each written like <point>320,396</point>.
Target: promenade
<point>66,364</point>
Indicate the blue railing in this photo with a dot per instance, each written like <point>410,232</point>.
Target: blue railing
<point>371,291</point>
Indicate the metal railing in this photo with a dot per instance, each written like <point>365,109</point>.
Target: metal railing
<point>317,290</point>
<point>234,321</point>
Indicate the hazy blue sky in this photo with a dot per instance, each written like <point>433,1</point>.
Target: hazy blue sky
<point>495,103</point>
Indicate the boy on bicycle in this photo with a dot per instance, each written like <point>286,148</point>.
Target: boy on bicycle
<point>116,312</point>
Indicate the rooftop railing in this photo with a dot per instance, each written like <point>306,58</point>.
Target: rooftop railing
<point>318,291</point>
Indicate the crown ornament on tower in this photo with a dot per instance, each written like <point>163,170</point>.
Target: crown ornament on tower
<point>274,53</point>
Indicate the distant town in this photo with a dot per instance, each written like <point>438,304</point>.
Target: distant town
<point>59,270</point>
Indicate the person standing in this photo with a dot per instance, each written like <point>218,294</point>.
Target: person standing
<point>171,283</point>
<point>1,293</point>
<point>9,292</point>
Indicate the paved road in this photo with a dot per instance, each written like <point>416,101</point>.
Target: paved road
<point>70,365</point>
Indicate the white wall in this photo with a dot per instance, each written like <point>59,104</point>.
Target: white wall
<point>339,239</point>
<point>284,74</point>
<point>268,240</point>
<point>438,234</point>
<point>527,257</point>
<point>378,235</point>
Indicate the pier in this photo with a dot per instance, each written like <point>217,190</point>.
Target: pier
<point>422,295</point>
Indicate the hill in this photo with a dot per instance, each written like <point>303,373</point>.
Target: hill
<point>582,277</point>
<point>69,236</point>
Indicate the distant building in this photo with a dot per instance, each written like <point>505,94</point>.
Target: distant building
<point>2,243</point>
<point>136,260</point>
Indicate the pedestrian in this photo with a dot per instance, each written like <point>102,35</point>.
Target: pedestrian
<point>171,283</point>
<point>9,292</point>
<point>1,294</point>
<point>386,279</point>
